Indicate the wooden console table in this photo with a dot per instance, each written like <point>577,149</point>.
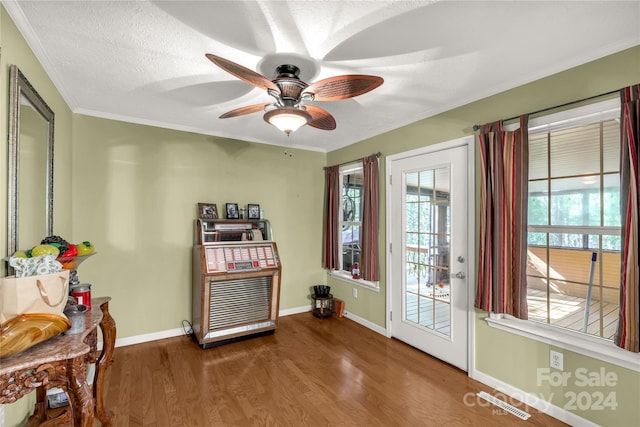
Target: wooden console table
<point>62,362</point>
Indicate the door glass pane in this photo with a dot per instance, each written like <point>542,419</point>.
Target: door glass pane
<point>427,218</point>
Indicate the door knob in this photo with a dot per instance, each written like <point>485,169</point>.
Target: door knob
<point>461,259</point>
<point>459,275</point>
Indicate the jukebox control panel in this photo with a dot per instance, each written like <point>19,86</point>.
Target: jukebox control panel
<point>231,258</point>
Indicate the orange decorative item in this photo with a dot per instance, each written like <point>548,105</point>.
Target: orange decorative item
<point>26,330</point>
<point>72,263</point>
<point>338,307</point>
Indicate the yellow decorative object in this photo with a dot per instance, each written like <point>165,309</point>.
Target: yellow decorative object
<point>26,330</point>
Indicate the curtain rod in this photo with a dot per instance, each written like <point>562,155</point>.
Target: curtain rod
<point>566,104</point>
<point>378,154</point>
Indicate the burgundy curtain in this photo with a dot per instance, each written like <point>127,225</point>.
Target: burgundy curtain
<point>502,262</point>
<point>331,251</point>
<point>369,262</point>
<point>627,334</point>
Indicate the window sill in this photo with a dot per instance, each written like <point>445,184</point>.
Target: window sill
<point>374,286</point>
<point>595,347</point>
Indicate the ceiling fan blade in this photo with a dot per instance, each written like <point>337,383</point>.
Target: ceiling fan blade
<point>244,110</point>
<point>342,87</point>
<point>320,119</point>
<point>243,73</point>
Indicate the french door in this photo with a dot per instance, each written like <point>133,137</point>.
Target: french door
<point>429,291</point>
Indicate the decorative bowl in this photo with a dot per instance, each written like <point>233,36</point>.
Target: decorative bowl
<point>26,330</point>
<point>72,262</point>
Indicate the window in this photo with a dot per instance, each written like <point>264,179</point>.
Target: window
<point>351,179</point>
<point>553,233</point>
<point>351,183</point>
<point>573,264</point>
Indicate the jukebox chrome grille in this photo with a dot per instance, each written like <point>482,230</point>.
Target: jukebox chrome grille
<point>239,301</point>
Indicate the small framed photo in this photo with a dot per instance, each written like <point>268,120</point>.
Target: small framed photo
<point>254,211</point>
<point>232,211</point>
<point>207,211</point>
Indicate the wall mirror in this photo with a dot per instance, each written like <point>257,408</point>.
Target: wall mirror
<point>30,216</point>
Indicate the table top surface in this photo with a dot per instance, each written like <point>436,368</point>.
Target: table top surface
<point>61,347</point>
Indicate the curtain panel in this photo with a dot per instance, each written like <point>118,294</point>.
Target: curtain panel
<point>502,263</point>
<point>369,262</point>
<point>331,251</point>
<point>628,332</point>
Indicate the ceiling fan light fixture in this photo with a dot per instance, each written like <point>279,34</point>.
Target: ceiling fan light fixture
<point>287,119</point>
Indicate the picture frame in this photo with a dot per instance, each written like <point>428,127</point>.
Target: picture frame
<point>253,211</point>
<point>207,211</point>
<point>232,211</point>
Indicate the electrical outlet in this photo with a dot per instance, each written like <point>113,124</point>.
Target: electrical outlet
<point>556,360</point>
<point>354,292</point>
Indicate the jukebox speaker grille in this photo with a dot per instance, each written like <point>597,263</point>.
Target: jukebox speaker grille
<point>238,301</point>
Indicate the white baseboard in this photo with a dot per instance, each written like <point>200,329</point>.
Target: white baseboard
<point>533,401</point>
<point>170,333</point>
<point>295,310</point>
<point>365,323</point>
<point>139,339</point>
<point>347,314</point>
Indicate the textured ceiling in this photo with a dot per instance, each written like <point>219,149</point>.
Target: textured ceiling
<point>144,62</point>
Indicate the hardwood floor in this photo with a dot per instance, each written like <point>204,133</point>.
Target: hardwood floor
<point>311,372</point>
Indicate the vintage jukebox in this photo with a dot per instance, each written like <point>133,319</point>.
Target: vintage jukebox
<point>236,280</point>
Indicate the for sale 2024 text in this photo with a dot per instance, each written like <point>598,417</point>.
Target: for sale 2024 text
<point>594,396</point>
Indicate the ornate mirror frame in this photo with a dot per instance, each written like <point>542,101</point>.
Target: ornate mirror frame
<point>23,95</point>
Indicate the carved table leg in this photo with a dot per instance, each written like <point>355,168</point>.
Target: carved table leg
<point>63,419</point>
<point>80,396</point>
<point>40,411</point>
<point>108,328</point>
<point>46,375</point>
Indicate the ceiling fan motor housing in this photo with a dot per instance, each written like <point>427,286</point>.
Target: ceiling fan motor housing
<point>288,70</point>
<point>289,84</point>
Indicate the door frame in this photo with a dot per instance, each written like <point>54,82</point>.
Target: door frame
<point>469,143</point>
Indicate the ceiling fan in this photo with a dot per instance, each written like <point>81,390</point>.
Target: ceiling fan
<point>289,111</point>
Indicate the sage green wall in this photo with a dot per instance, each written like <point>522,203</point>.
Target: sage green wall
<point>136,189</point>
<point>597,77</point>
<point>16,51</point>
